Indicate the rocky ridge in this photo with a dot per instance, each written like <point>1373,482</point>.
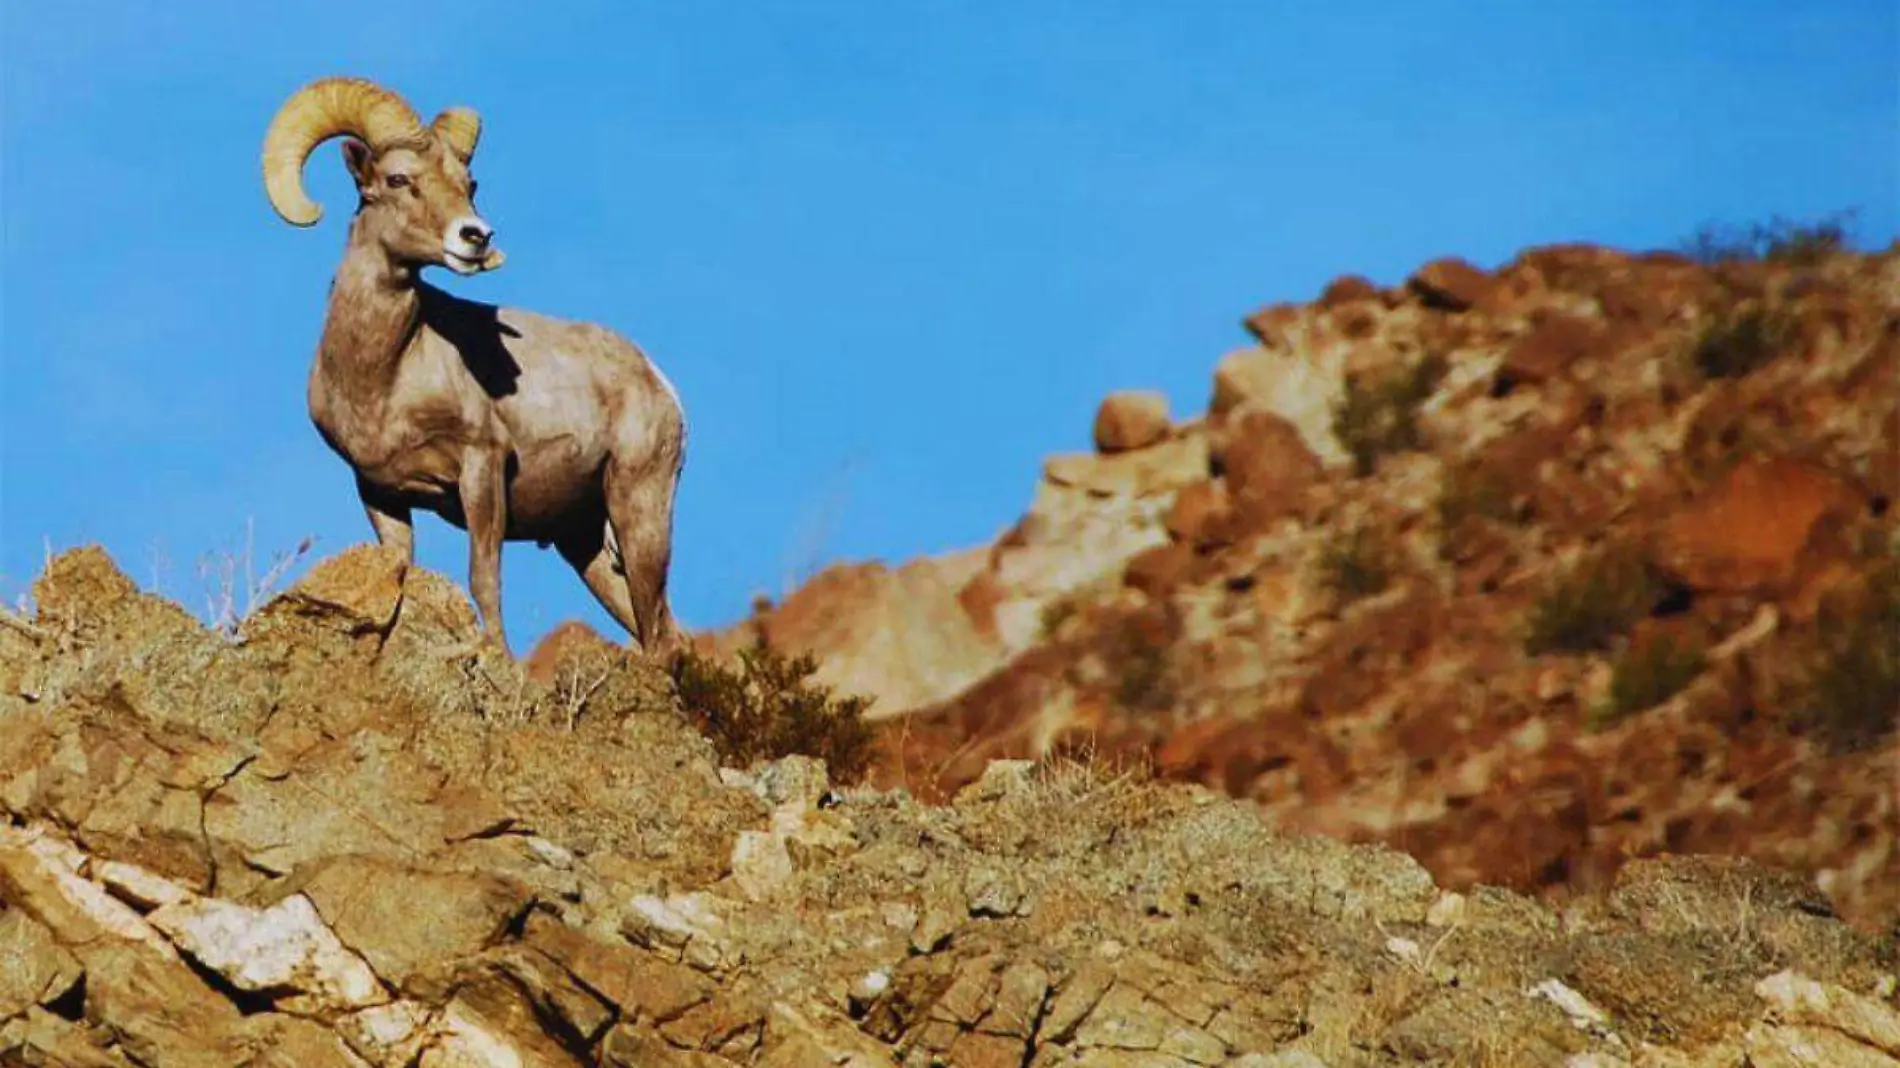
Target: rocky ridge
<point>348,836</point>
<point>1523,572</point>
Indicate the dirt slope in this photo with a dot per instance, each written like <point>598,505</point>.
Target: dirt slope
<point>1524,572</point>
<point>342,839</point>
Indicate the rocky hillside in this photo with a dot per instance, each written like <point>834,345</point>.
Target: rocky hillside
<point>1525,572</point>
<point>347,836</point>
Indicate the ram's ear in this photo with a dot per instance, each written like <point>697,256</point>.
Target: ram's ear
<point>461,128</point>
<point>358,158</point>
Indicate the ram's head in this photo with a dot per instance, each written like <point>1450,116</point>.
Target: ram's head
<point>416,195</point>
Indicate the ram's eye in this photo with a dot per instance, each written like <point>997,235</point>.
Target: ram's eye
<point>397,181</point>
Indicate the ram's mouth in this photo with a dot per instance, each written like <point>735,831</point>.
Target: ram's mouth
<point>461,264</point>
<point>466,265</point>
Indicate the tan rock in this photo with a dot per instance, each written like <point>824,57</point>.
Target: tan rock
<point>1160,570</point>
<point>1452,284</point>
<point>1266,465</point>
<point>38,1037</point>
<point>1132,419</point>
<point>556,993</point>
<point>410,925</point>
<point>979,1049</point>
<point>356,591</point>
<point>294,1042</point>
<point>1557,341</point>
<point>796,1038</point>
<point>901,635</point>
<point>1270,324</point>
<point>1303,389</point>
<point>1753,528</point>
<point>79,584</point>
<point>34,968</point>
<point>642,985</point>
<point>1348,289</point>
<point>631,1047</point>
<point>39,876</point>
<point>1148,472</point>
<point>1199,516</point>
<point>158,1010</point>
<point>1797,999</point>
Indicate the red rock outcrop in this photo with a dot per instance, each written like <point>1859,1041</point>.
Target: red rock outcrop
<point>1350,651</point>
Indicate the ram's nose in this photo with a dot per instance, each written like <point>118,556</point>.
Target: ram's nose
<point>477,233</point>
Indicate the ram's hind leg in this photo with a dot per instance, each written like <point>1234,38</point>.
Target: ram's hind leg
<point>640,507</point>
<point>592,554</point>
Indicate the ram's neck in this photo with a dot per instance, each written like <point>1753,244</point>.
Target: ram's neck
<point>373,316</point>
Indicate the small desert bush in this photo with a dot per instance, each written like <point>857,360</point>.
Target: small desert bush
<point>1140,672</point>
<point>1144,682</point>
<point>768,707</point>
<point>1471,493</point>
<point>1849,689</point>
<point>1587,607</point>
<point>1740,340</point>
<point>1055,613</point>
<point>1792,242</point>
<point>1360,565</point>
<point>1648,675</point>
<point>1380,417</point>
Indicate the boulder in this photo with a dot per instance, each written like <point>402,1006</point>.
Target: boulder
<point>1131,420</point>
<point>1266,464</point>
<point>1753,528</point>
<point>1452,284</point>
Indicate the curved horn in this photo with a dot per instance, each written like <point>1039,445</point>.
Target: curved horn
<point>461,128</point>
<point>314,114</point>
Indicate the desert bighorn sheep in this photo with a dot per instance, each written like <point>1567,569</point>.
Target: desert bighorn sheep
<point>508,424</point>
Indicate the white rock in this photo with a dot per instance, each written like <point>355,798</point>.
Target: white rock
<point>761,865</point>
<point>136,886</point>
<point>284,947</point>
<point>464,1040</point>
<point>1573,1004</point>
<point>1000,778</point>
<point>1800,1000</point>
<point>1404,948</point>
<point>870,985</point>
<point>1447,911</point>
<point>389,1034</point>
<point>548,853</point>
<point>58,863</point>
<point>687,926</point>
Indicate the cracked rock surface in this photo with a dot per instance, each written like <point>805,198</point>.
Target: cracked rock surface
<point>329,842</point>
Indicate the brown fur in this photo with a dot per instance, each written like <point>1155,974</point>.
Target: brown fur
<point>508,424</point>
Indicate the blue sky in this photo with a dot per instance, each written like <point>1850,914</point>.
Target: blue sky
<point>892,253</point>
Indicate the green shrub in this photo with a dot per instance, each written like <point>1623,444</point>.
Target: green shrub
<point>1647,676</point>
<point>1358,566</point>
<point>1143,675</point>
<point>1473,492</point>
<point>768,707</point>
<point>1381,417</point>
<point>1739,341</point>
<point>1055,613</point>
<point>1144,682</point>
<point>1849,692</point>
<point>1587,607</point>
<point>1780,240</point>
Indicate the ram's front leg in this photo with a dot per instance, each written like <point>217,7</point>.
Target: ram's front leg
<point>484,491</point>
